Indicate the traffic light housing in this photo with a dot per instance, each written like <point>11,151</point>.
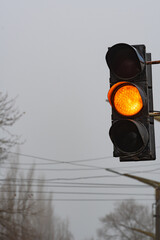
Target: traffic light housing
<point>130,95</point>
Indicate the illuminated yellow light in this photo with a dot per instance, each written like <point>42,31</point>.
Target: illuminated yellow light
<point>127,100</point>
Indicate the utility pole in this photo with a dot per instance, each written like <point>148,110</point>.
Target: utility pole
<point>156,186</point>
<point>158,213</point>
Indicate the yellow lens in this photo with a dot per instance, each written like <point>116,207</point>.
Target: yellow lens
<point>127,100</point>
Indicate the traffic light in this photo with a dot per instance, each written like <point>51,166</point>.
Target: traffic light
<point>130,95</point>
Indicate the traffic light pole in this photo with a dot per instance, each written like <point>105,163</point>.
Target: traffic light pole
<point>158,213</point>
<point>156,186</point>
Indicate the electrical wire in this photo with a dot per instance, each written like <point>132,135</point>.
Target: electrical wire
<point>90,167</point>
<point>78,185</point>
<point>59,179</point>
<point>74,200</point>
<point>75,169</point>
<point>78,193</point>
<point>55,161</point>
<point>53,169</point>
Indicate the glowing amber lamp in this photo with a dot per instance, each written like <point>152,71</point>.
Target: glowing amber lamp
<point>126,99</point>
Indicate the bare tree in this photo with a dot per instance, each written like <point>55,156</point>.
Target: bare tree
<point>26,212</point>
<point>9,114</point>
<point>17,206</point>
<point>61,230</point>
<point>129,220</point>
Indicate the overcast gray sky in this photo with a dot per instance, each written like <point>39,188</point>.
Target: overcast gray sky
<point>53,57</point>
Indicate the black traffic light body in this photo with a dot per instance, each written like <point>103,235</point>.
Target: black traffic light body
<point>132,134</point>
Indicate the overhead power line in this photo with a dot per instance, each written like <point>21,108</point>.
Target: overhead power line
<point>12,167</point>
<point>51,161</point>
<point>60,161</point>
<point>53,169</point>
<point>78,185</point>
<point>76,200</point>
<point>78,193</point>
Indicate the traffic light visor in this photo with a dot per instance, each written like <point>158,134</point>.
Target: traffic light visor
<point>124,61</point>
<point>126,98</point>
